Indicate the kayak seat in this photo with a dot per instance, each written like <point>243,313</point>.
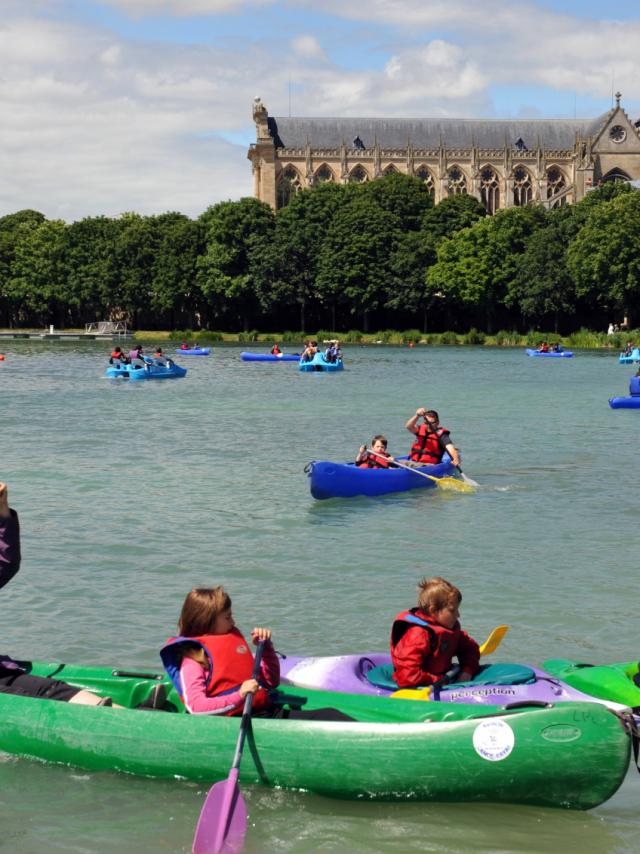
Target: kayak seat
<point>501,674</point>
<point>382,677</point>
<point>490,674</point>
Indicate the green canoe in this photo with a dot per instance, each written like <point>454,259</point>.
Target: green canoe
<point>573,755</point>
<point>605,681</point>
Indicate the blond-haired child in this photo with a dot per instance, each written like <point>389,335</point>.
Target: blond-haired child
<point>424,640</point>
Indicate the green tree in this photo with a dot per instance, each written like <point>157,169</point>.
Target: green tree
<point>353,269</point>
<point>288,266</point>
<point>237,233</point>
<point>13,227</point>
<point>476,265</point>
<point>38,280</point>
<point>452,214</point>
<point>604,257</point>
<point>404,197</point>
<point>175,292</point>
<point>542,285</point>
<point>91,265</point>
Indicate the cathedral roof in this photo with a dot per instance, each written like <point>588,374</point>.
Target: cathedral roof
<point>427,133</point>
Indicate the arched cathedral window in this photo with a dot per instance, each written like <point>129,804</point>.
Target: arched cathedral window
<point>615,174</point>
<point>288,185</point>
<point>427,178</point>
<point>456,182</point>
<point>555,184</point>
<point>522,187</point>
<point>324,174</point>
<point>358,175</point>
<point>489,190</point>
<point>390,170</point>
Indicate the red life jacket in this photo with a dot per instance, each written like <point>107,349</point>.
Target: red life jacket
<point>443,642</point>
<point>426,446</point>
<point>373,461</point>
<point>230,663</point>
<point>115,355</point>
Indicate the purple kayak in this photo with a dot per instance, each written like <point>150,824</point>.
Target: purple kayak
<point>370,673</point>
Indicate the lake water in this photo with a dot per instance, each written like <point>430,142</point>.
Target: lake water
<point>131,494</point>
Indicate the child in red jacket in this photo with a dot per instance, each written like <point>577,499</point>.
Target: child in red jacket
<point>425,639</point>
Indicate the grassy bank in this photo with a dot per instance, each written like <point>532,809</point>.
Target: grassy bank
<point>582,339</point>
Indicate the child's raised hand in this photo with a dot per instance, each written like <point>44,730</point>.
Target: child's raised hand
<point>259,634</point>
<point>250,686</point>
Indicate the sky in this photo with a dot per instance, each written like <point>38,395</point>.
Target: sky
<point>145,105</point>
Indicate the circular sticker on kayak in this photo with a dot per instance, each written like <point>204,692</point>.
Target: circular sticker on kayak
<point>493,739</point>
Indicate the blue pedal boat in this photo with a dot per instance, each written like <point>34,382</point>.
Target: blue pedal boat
<point>634,356</point>
<point>319,363</point>
<point>151,370</point>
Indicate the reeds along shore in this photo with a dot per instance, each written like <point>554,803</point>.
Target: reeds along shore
<point>583,339</point>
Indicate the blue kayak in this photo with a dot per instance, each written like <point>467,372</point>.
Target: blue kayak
<point>319,363</point>
<point>151,370</point>
<point>624,402</point>
<point>346,480</point>
<point>564,354</point>
<point>270,357</point>
<point>194,351</point>
<point>627,360</point>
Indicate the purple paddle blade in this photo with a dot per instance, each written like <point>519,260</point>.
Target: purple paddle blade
<point>222,824</point>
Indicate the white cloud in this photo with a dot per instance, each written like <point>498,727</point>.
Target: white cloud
<point>182,8</point>
<point>516,42</point>
<point>308,47</point>
<point>97,123</point>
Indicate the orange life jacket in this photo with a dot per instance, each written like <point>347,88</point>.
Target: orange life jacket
<point>426,446</point>
<point>229,664</point>
<point>373,461</point>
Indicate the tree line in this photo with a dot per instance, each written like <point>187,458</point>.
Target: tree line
<point>374,255</point>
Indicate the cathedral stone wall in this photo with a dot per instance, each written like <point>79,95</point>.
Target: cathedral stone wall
<point>501,163</point>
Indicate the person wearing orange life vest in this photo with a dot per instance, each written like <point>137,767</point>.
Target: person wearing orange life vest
<point>424,640</point>
<point>377,457</point>
<point>431,440</point>
<point>211,666</point>
<point>118,356</point>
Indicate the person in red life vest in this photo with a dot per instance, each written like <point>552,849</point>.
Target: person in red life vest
<point>210,662</point>
<point>377,457</point>
<point>431,440</point>
<point>425,639</point>
<point>184,346</point>
<point>275,350</point>
<point>543,348</point>
<point>118,356</point>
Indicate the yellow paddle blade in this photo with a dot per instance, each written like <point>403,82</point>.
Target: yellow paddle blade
<point>493,641</point>
<point>453,484</point>
<point>413,694</point>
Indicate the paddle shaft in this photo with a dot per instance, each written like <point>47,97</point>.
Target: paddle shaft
<point>224,802</point>
<point>395,462</point>
<point>246,712</point>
